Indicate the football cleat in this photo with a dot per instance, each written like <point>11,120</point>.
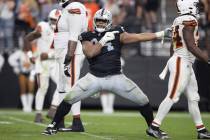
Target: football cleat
<point>76,127</point>
<point>72,129</point>
<point>204,135</point>
<point>158,134</point>
<point>50,130</point>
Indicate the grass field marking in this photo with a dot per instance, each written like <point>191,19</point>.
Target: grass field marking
<point>116,114</point>
<point>44,125</point>
<point>24,121</point>
<point>5,122</point>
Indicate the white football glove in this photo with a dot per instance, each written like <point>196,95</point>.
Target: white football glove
<point>109,36</point>
<point>166,33</point>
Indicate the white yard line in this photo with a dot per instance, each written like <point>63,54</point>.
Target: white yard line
<point>25,121</point>
<point>44,125</point>
<point>5,122</point>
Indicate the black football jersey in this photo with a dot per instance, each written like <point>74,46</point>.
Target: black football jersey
<point>108,61</point>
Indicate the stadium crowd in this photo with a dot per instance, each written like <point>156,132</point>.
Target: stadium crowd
<point>19,17</point>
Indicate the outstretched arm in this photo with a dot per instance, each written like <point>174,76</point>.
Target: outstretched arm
<point>126,37</point>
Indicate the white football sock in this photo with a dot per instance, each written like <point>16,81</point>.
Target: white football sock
<point>75,109</point>
<point>23,99</point>
<point>163,110</point>
<point>39,101</point>
<point>30,100</point>
<point>195,112</point>
<point>104,102</point>
<point>110,102</point>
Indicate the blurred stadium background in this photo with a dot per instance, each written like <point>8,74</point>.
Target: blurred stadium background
<point>143,62</point>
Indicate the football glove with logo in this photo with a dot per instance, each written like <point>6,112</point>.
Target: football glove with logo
<point>109,36</point>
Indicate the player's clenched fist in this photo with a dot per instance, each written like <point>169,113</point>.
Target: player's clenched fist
<point>109,36</point>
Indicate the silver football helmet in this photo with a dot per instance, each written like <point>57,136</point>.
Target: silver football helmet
<point>188,7</point>
<point>105,16</point>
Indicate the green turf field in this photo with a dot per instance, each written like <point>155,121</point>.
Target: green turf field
<point>15,125</point>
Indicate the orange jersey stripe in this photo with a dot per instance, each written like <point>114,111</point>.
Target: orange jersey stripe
<point>176,80</point>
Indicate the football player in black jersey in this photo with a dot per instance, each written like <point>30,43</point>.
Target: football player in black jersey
<point>102,48</point>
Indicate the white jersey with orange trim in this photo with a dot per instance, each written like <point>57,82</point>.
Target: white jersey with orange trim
<point>71,24</point>
<point>45,42</point>
<point>179,45</point>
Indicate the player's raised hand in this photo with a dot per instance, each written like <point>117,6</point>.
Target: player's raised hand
<point>109,36</point>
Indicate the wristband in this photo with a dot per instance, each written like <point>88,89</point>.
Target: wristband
<point>159,34</point>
